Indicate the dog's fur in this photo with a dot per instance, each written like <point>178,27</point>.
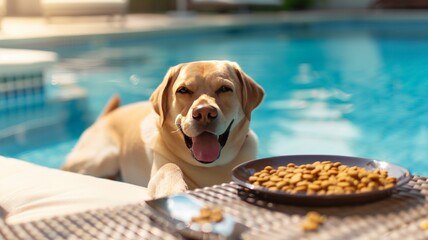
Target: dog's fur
<point>145,142</point>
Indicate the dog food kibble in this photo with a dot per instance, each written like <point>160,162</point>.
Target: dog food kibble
<point>424,225</point>
<point>324,178</point>
<point>208,215</point>
<point>312,221</point>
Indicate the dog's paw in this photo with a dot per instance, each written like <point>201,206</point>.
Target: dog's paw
<point>167,181</point>
<point>162,191</point>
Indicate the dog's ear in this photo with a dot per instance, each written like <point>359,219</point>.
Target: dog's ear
<point>252,93</point>
<point>159,98</point>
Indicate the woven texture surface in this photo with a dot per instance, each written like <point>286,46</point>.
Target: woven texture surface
<point>397,217</point>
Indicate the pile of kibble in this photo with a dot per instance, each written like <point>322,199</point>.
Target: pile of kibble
<point>323,178</point>
<point>208,215</point>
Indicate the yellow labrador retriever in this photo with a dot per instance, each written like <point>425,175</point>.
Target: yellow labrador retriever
<point>193,131</point>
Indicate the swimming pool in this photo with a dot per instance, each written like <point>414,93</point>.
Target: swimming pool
<point>356,88</point>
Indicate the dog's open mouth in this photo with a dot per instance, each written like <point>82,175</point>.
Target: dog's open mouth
<point>206,147</point>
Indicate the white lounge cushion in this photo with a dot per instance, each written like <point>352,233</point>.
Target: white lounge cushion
<point>29,192</point>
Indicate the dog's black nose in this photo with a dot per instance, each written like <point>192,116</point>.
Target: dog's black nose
<point>204,113</point>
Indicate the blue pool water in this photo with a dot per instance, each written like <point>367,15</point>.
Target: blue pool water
<point>357,89</point>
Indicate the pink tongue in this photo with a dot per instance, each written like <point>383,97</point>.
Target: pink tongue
<point>205,147</point>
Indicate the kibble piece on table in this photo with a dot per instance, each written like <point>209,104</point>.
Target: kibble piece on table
<point>424,225</point>
<point>313,221</point>
<point>323,178</point>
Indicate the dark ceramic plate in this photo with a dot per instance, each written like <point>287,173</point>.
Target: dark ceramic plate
<point>241,173</point>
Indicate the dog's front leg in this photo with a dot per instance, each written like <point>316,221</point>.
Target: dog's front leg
<point>166,181</point>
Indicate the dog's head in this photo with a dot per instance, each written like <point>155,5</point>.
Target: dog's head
<point>205,101</point>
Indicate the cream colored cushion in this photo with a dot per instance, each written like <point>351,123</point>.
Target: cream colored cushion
<point>29,192</point>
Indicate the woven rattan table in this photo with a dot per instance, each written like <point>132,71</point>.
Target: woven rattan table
<point>397,217</point>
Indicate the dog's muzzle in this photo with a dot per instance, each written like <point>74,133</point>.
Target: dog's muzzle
<point>206,147</point>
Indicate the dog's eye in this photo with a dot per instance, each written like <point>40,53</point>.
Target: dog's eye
<point>184,90</point>
<point>224,89</point>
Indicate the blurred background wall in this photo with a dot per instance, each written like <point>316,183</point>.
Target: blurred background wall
<point>32,7</point>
